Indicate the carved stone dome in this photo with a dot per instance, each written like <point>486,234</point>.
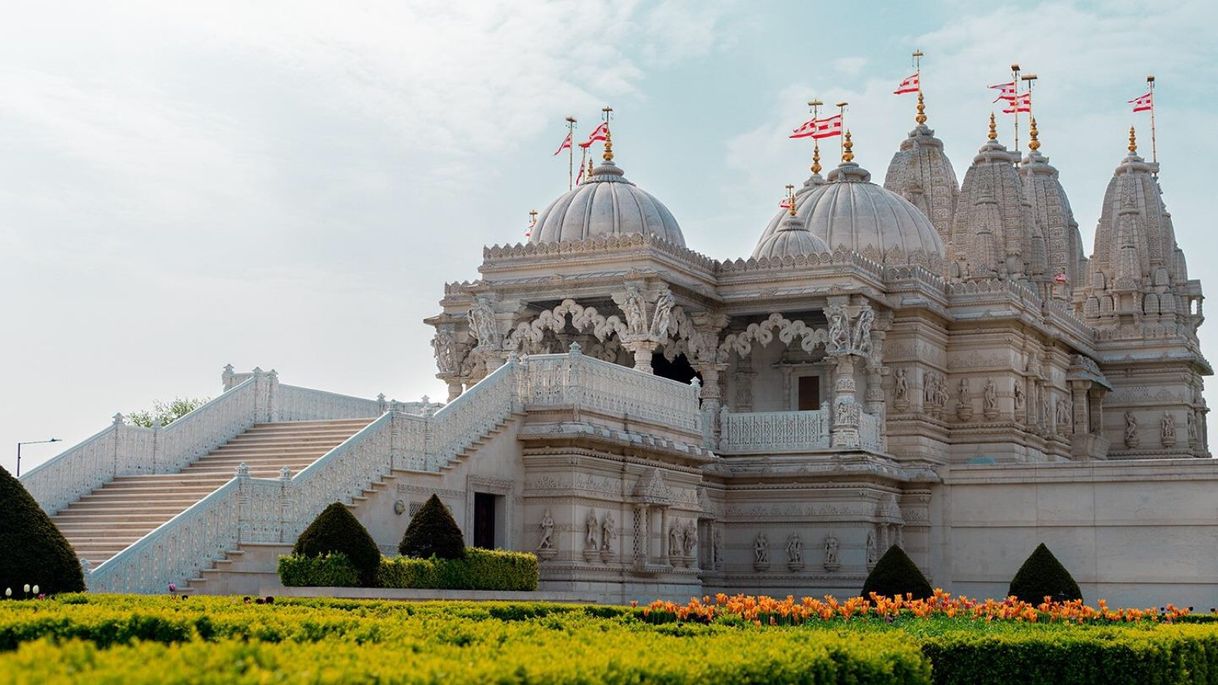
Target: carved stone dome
<point>605,204</point>
<point>851,213</point>
<point>791,239</point>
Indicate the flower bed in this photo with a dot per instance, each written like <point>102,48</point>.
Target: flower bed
<point>98,638</point>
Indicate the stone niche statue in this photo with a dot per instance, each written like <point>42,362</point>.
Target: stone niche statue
<point>717,549</point>
<point>900,390</point>
<point>662,316</point>
<point>831,547</point>
<point>546,549</point>
<point>689,540</point>
<point>839,331</point>
<point>1017,396</point>
<point>1190,425</point>
<point>1131,430</point>
<point>1064,424</point>
<point>591,526</point>
<point>871,551</point>
<point>634,307</point>
<point>964,405</point>
<point>1167,430</point>
<point>990,399</point>
<point>795,552</point>
<point>862,332</point>
<point>761,552</point>
<point>674,540</point>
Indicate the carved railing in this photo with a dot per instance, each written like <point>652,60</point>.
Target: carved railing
<point>294,403</point>
<point>126,450</point>
<point>573,379</point>
<point>774,431</point>
<point>177,550</point>
<point>460,422</point>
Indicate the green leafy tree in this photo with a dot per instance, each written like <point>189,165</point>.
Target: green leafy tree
<point>166,412</point>
<point>336,531</point>
<point>1042,575</point>
<point>433,531</point>
<point>896,574</point>
<point>32,550</point>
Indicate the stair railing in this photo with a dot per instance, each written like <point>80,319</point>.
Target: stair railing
<point>276,510</point>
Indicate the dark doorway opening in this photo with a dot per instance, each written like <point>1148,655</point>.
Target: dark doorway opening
<point>678,369</point>
<point>484,520</point>
<point>809,393</point>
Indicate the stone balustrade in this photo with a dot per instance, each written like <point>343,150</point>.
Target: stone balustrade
<point>773,431</point>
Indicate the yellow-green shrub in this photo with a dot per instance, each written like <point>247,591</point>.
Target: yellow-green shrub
<point>327,570</point>
<point>481,569</point>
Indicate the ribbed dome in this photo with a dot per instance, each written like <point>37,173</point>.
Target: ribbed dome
<point>605,204</point>
<point>814,182</point>
<point>790,240</point>
<point>851,213</point>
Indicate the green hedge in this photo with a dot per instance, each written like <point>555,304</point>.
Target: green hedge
<point>327,570</point>
<point>481,569</point>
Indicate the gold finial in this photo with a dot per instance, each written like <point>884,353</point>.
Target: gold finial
<point>1033,144</point>
<point>608,155</point>
<point>816,157</point>
<point>1133,142</point>
<point>993,128</point>
<point>847,154</point>
<point>791,199</point>
<point>589,172</point>
<point>921,117</point>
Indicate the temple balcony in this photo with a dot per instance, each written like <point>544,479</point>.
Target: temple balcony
<point>796,432</point>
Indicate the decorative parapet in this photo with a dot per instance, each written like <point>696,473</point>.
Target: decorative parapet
<point>597,244</point>
<point>773,432</point>
<point>838,258</point>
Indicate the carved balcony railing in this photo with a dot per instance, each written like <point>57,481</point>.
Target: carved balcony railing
<point>871,433</point>
<point>773,432</point>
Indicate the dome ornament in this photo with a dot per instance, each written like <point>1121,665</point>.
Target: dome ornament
<point>608,154</point>
<point>847,149</point>
<point>816,157</point>
<point>1033,143</point>
<point>993,134</point>
<point>921,116</point>
<point>1133,142</point>
<point>814,106</point>
<point>791,199</point>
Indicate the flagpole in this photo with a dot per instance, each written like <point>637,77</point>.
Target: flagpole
<point>1154,147</point>
<point>814,104</point>
<point>841,110</point>
<point>608,154</point>
<point>1029,79</point>
<point>920,117</point>
<point>1015,102</point>
<point>570,152</point>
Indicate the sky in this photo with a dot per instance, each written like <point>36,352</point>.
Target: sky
<point>289,184</point>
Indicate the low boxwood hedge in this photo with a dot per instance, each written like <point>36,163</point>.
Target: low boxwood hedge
<point>327,570</point>
<point>481,569</point>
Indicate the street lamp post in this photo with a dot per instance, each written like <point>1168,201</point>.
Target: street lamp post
<point>29,442</point>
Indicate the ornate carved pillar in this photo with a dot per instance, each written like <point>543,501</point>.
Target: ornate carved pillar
<point>1079,412</point>
<point>643,351</point>
<point>845,431</point>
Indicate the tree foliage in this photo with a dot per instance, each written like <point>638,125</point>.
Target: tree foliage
<point>166,412</point>
<point>433,531</point>
<point>1042,575</point>
<point>896,574</point>
<point>336,531</point>
<point>32,550</point>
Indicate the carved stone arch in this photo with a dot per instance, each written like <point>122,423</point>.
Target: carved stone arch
<point>680,336</point>
<point>529,334</point>
<point>763,333</point>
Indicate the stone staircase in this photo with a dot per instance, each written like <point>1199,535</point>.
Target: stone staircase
<point>112,517</point>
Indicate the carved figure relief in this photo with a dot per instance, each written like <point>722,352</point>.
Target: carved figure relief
<point>674,540</point>
<point>795,552</point>
<point>761,552</point>
<point>689,540</point>
<point>608,532</point>
<point>547,532</point>
<point>662,317</point>
<point>1063,417</point>
<point>900,390</point>
<point>871,552</point>
<point>839,331</point>
<point>591,526</point>
<point>964,401</point>
<point>717,549</point>
<point>448,354</point>
<point>1167,430</point>
<point>862,332</point>
<point>990,399</point>
<point>831,547</point>
<point>482,323</point>
<point>1190,425</point>
<point>634,307</point>
<point>1017,396</point>
<point>1131,430</point>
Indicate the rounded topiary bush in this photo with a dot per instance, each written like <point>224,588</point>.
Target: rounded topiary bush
<point>1042,575</point>
<point>433,531</point>
<point>896,574</point>
<point>336,531</point>
<point>32,550</point>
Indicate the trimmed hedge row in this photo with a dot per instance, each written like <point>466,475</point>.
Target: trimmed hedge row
<point>480,569</point>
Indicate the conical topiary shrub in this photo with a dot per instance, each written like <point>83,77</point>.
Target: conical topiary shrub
<point>433,531</point>
<point>336,530</point>
<point>1042,575</point>
<point>32,550</point>
<point>896,574</point>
